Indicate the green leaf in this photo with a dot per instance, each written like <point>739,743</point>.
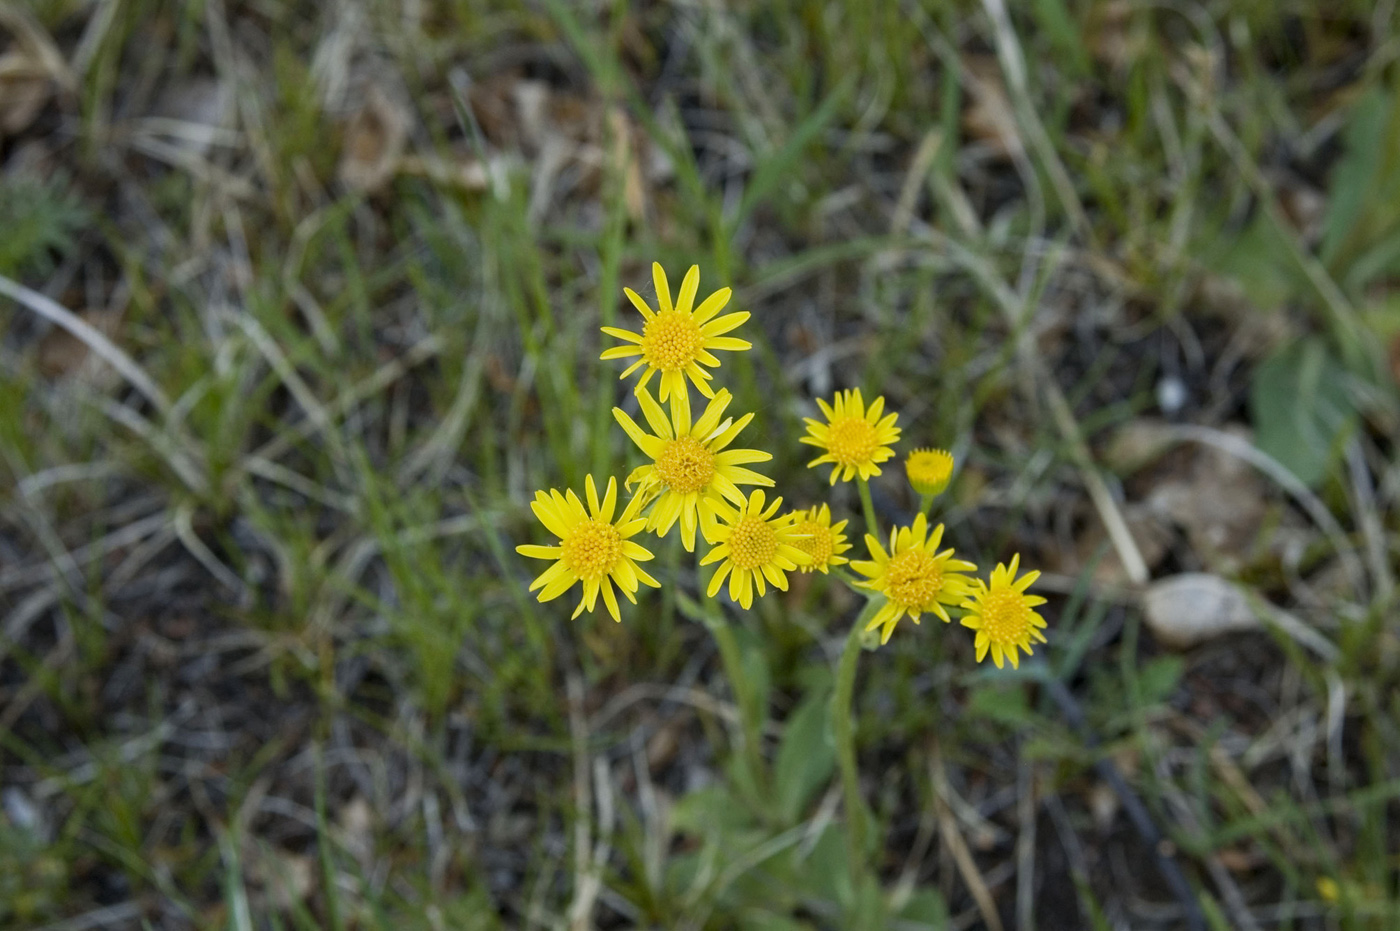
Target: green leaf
<point>754,652</point>
<point>780,165</point>
<point>1361,228</point>
<point>926,909</point>
<point>867,912</point>
<point>1064,33</point>
<point>41,220</point>
<point>1356,171</point>
<point>806,756</point>
<point>828,873</point>
<point>1258,260</point>
<point>1301,408</point>
<point>997,702</point>
<point>707,811</point>
<point>766,921</point>
<point>1158,679</point>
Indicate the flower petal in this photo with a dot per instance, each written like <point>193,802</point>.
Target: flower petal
<point>689,285</point>
<point>713,305</point>
<point>663,287</point>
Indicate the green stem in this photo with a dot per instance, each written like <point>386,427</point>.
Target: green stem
<point>871,527</point>
<point>843,729</point>
<point>750,714</point>
<point>925,502</point>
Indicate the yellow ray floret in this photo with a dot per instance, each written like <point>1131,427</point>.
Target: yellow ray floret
<point>929,470</point>
<point>592,548</point>
<point>691,470</point>
<point>1002,614</point>
<point>913,576</point>
<point>855,439</point>
<point>819,538</point>
<point>754,546</point>
<point>676,340</point>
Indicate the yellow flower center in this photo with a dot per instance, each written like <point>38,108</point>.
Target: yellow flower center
<point>817,542</point>
<point>671,340</point>
<point>592,549</point>
<point>1005,617</point>
<point>752,543</point>
<point>685,465</point>
<point>913,579</point>
<point>852,440</point>
<point>927,467</point>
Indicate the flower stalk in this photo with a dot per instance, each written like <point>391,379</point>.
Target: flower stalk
<point>868,506</point>
<point>843,730</point>
<point>745,696</point>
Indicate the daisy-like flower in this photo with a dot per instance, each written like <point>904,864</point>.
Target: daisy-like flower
<point>755,546</point>
<point>929,470</point>
<point>591,549</point>
<point>675,340</point>
<point>691,470</point>
<point>856,439</point>
<point>820,539</point>
<point>913,576</point>
<point>1002,614</point>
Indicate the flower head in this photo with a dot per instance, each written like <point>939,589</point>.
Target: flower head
<point>819,538</point>
<point>929,470</point>
<point>592,548</point>
<point>1002,616</point>
<point>856,439</point>
<point>913,576</point>
<point>754,546</point>
<point>691,470</point>
<point>676,340</point>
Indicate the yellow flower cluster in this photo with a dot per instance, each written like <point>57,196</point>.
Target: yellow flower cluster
<point>692,479</point>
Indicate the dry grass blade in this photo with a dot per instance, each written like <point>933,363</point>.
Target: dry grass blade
<point>120,915</point>
<point>919,166</point>
<point>381,378</point>
<point>100,345</point>
<point>38,44</point>
<point>184,529</point>
<point>586,877</point>
<point>1013,63</point>
<point>1026,808</point>
<point>957,846</point>
<point>1015,311</point>
<point>1368,517</point>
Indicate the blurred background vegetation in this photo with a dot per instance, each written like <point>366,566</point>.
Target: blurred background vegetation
<point>266,655</point>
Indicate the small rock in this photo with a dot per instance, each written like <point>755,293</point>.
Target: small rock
<point>374,143</point>
<point>1103,805</point>
<point>1194,607</point>
<point>25,87</point>
<point>1172,395</point>
<point>23,813</point>
<point>1219,502</point>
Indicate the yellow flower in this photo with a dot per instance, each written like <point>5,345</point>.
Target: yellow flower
<point>929,470</point>
<point>913,576</point>
<point>855,439</point>
<point>691,471</point>
<point>754,546</point>
<point>592,548</point>
<point>676,341</point>
<point>820,539</point>
<point>1002,616</point>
